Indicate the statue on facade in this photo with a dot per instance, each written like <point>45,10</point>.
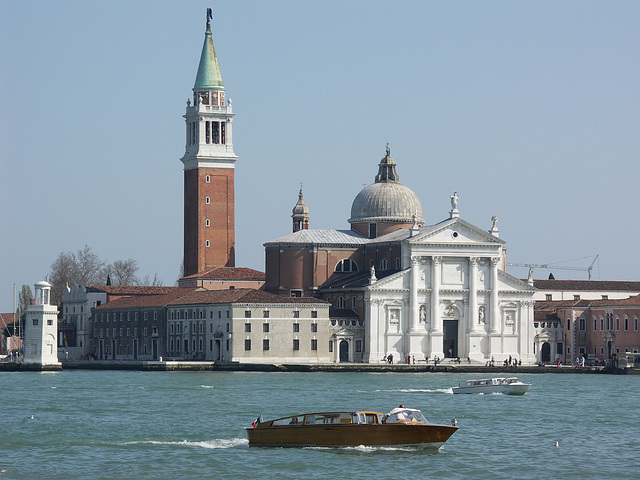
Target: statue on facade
<point>454,201</point>
<point>494,219</point>
<point>388,150</point>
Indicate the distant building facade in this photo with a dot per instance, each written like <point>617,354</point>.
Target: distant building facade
<point>75,320</point>
<point>595,329</point>
<point>249,326</point>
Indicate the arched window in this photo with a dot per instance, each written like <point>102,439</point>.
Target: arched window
<point>346,265</point>
<point>340,302</point>
<point>384,264</point>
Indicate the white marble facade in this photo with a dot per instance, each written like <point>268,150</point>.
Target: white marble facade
<point>451,299</point>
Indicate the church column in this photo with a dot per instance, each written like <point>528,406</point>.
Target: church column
<point>436,319</point>
<point>473,294</point>
<point>495,311</point>
<point>413,295</point>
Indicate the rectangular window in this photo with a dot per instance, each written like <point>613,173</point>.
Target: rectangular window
<point>576,297</point>
<point>330,346</point>
<point>583,325</point>
<point>247,327</point>
<point>265,344</point>
<point>296,314</point>
<point>265,314</point>
<point>353,302</point>
<point>296,344</point>
<point>548,297</point>
<point>296,327</point>
<point>601,324</point>
<point>617,323</point>
<point>247,314</point>
<point>314,314</point>
<point>358,346</point>
<point>635,324</point>
<point>314,344</point>
<point>265,327</point>
<point>155,315</point>
<point>145,315</point>
<point>314,327</point>
<point>626,323</point>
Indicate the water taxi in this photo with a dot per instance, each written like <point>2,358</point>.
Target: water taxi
<point>400,427</point>
<point>506,386</point>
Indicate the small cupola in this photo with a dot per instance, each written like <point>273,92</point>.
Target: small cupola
<point>300,214</point>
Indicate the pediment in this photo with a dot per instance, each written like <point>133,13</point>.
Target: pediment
<point>397,281</point>
<point>511,283</point>
<point>455,231</point>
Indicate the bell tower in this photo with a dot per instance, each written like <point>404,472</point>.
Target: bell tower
<point>209,162</point>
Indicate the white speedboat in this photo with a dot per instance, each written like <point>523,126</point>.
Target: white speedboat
<point>506,386</point>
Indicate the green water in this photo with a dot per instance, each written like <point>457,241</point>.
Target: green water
<point>124,424</point>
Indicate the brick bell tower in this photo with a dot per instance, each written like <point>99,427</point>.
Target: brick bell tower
<point>209,162</point>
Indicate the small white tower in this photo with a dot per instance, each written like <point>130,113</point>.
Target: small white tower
<point>41,330</point>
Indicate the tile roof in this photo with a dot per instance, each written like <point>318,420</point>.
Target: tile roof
<point>356,280</point>
<point>240,295</point>
<point>320,237</point>
<point>342,313</point>
<point>550,307</point>
<point>8,319</point>
<point>140,301</point>
<point>587,285</point>
<point>230,273</point>
<point>128,289</point>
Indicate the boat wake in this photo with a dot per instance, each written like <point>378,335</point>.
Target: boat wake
<point>207,386</point>
<point>419,390</point>
<point>218,443</point>
<point>368,449</point>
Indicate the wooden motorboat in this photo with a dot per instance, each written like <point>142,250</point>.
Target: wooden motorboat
<point>400,427</point>
<point>506,386</point>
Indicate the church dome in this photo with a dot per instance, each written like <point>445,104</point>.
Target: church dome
<point>390,202</point>
<point>386,200</point>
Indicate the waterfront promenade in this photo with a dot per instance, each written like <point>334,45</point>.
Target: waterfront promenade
<point>448,367</point>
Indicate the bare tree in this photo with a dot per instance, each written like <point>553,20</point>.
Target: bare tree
<point>122,272</point>
<point>148,282</point>
<point>88,267</point>
<point>25,297</point>
<point>83,267</point>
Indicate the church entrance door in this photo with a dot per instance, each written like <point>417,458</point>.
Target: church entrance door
<point>344,351</point>
<point>450,340</point>
<point>545,353</point>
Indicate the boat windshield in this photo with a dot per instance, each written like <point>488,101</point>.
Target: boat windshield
<point>405,415</point>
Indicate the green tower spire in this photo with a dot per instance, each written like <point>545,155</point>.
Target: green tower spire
<point>208,76</point>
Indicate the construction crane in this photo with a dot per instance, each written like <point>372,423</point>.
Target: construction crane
<point>552,266</point>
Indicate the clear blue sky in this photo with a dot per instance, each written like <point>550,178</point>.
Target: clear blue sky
<point>529,110</point>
